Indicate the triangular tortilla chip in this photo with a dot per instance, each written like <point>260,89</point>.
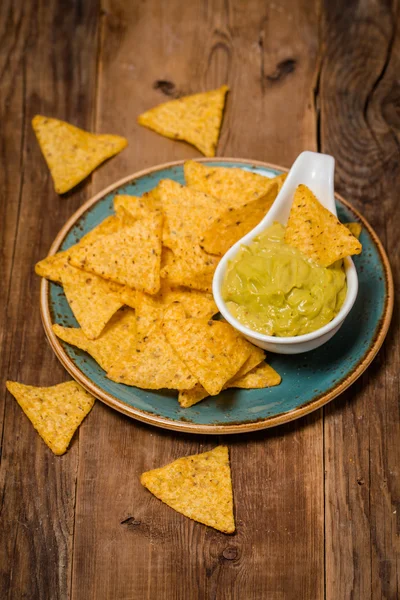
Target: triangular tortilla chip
<point>213,351</point>
<point>117,340</point>
<point>197,486</point>
<point>176,271</point>
<point>355,228</point>
<point>261,376</point>
<point>233,187</point>
<point>187,213</point>
<point>195,119</point>
<point>72,153</point>
<point>137,207</point>
<point>91,299</point>
<point>317,232</point>
<point>52,266</point>
<point>153,366</point>
<point>131,256</point>
<point>233,224</point>
<point>55,412</point>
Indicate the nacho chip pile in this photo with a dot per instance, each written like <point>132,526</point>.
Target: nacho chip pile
<point>139,286</point>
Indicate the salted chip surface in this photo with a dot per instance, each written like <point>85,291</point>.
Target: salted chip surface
<point>52,266</point>
<point>175,271</point>
<point>197,486</point>
<point>317,232</point>
<point>117,341</point>
<point>137,207</point>
<point>55,412</point>
<point>131,256</point>
<point>234,223</point>
<point>187,212</point>
<point>232,186</point>
<point>195,119</point>
<point>91,298</point>
<point>154,365</point>
<point>355,228</point>
<point>260,376</point>
<point>72,153</point>
<point>212,350</point>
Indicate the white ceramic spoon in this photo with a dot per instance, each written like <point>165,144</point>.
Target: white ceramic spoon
<point>316,171</point>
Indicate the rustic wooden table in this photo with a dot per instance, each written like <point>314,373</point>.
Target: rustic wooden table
<point>318,500</point>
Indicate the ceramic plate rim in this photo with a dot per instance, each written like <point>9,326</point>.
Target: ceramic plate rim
<point>217,429</point>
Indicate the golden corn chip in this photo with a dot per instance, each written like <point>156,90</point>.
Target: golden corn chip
<point>187,213</point>
<point>176,272</point>
<point>150,309</point>
<point>261,376</point>
<point>117,340</point>
<point>195,119</point>
<point>256,357</point>
<point>52,266</point>
<point>233,187</point>
<point>131,256</point>
<point>55,412</point>
<point>316,231</point>
<point>198,487</point>
<point>153,366</point>
<point>91,298</point>
<point>72,153</point>
<point>212,350</point>
<point>137,207</point>
<point>233,224</point>
<point>355,228</point>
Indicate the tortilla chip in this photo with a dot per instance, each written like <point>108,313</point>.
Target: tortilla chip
<point>233,224</point>
<point>131,256</point>
<point>72,153</point>
<point>52,266</point>
<point>317,232</point>
<point>212,350</point>
<point>198,487</point>
<point>150,309</point>
<point>91,298</point>
<point>117,340</point>
<point>137,207</point>
<point>195,119</point>
<point>233,187</point>
<point>355,228</point>
<point>261,376</point>
<point>55,412</point>
<point>177,272</point>
<point>187,213</point>
<point>256,357</point>
<point>153,366</point>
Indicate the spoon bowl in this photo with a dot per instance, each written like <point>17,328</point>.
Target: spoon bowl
<point>316,171</point>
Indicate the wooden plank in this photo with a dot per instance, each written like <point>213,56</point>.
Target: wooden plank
<point>360,127</point>
<point>129,545</point>
<point>48,66</point>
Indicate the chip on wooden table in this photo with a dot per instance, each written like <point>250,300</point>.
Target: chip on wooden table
<point>197,486</point>
<point>232,186</point>
<point>117,340</point>
<point>72,153</point>
<point>316,232</point>
<point>55,412</point>
<point>154,365</point>
<point>234,223</point>
<point>131,256</point>
<point>212,350</point>
<point>196,119</point>
<point>92,299</point>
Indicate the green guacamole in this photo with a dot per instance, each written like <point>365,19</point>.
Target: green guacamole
<point>275,289</point>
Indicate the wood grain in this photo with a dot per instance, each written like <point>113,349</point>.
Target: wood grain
<point>139,548</point>
<point>360,126</point>
<point>47,65</point>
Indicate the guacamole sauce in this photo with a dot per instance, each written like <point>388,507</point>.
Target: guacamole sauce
<point>275,289</point>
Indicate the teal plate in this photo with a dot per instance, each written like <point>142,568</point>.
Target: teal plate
<point>309,380</point>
